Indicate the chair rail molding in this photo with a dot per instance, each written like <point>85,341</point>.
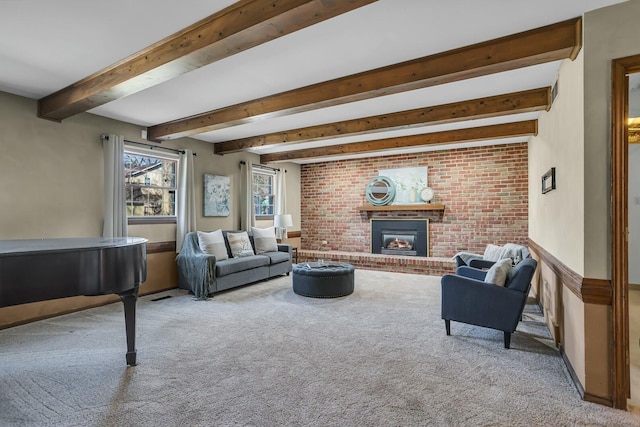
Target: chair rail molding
<point>159,247</point>
<point>590,291</point>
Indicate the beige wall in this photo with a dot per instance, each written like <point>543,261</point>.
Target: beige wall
<point>556,219</point>
<point>573,336</point>
<point>51,175</point>
<point>51,185</point>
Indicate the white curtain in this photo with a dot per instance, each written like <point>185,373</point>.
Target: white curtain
<point>281,201</point>
<point>115,210</point>
<point>186,204</point>
<point>248,218</point>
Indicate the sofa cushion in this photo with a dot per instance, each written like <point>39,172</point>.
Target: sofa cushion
<point>213,244</point>
<point>234,265</point>
<point>240,244</point>
<point>499,272</point>
<point>264,239</point>
<point>277,257</point>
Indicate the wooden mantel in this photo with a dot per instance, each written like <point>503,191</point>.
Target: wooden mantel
<point>411,207</point>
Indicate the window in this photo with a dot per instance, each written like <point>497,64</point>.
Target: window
<point>263,192</point>
<point>150,184</point>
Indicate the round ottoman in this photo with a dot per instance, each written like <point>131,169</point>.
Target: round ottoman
<point>323,280</point>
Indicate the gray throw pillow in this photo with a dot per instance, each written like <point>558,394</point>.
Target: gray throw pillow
<point>499,272</point>
<point>264,239</point>
<point>213,244</point>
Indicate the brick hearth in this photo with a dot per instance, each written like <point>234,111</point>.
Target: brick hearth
<point>433,266</point>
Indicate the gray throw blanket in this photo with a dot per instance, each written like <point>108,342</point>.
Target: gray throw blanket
<point>495,253</point>
<point>196,266</point>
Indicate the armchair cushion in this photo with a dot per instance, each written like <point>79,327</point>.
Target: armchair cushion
<point>499,272</point>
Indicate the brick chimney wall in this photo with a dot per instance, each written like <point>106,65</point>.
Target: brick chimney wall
<point>484,190</point>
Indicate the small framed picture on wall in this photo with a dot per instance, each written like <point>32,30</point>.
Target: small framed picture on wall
<point>549,181</point>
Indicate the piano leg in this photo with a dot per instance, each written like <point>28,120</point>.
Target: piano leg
<point>129,299</point>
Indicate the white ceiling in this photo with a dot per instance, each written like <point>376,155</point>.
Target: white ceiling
<point>48,45</point>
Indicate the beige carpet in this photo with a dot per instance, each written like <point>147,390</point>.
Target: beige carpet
<point>264,356</point>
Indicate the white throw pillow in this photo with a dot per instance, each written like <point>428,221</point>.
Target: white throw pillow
<point>240,244</point>
<point>213,244</point>
<point>499,272</point>
<point>264,239</point>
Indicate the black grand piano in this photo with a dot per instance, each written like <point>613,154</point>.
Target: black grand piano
<point>39,270</point>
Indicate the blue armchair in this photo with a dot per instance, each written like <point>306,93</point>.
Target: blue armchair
<point>468,299</point>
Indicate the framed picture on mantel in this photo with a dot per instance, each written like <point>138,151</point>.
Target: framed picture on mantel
<point>409,182</point>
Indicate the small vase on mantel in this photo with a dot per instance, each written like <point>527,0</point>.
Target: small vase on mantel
<point>413,195</point>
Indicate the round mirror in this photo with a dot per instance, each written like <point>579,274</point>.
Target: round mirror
<point>380,191</point>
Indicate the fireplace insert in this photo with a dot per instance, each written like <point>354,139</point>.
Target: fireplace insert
<point>407,237</point>
<point>398,242</point>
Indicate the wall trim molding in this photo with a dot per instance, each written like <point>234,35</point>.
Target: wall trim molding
<point>585,395</point>
<point>158,247</point>
<point>593,398</point>
<point>597,291</point>
<point>590,291</point>
<point>572,373</point>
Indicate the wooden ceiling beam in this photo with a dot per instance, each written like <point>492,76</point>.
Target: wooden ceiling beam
<point>550,43</point>
<point>493,106</point>
<point>243,25</point>
<point>505,130</point>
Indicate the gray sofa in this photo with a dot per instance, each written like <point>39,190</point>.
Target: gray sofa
<point>203,275</point>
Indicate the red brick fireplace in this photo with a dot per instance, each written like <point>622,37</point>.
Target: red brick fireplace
<point>484,191</point>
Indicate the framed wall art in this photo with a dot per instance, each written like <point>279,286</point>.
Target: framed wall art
<point>549,181</point>
<point>217,195</point>
<point>408,181</point>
